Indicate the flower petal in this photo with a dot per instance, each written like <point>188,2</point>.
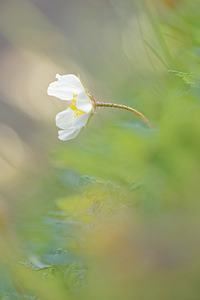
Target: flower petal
<point>65,87</point>
<point>65,119</point>
<point>81,120</point>
<point>84,103</point>
<point>68,134</point>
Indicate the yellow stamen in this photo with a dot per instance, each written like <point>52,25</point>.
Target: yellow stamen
<point>73,107</point>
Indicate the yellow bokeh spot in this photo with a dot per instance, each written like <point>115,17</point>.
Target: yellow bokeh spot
<point>77,207</point>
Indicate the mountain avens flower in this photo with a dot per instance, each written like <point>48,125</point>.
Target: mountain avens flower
<point>82,105</point>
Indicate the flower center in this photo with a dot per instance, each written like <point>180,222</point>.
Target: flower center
<point>77,112</point>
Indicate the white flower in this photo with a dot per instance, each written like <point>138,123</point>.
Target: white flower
<point>76,116</point>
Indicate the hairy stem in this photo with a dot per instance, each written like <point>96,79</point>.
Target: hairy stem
<point>105,104</point>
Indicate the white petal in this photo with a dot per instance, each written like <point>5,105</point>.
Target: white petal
<point>84,103</point>
<point>65,87</point>
<point>68,134</point>
<point>64,119</point>
<point>81,120</point>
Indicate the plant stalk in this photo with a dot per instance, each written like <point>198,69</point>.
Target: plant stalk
<point>105,104</point>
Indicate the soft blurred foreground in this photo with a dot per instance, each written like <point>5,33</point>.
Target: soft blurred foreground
<point>114,213</point>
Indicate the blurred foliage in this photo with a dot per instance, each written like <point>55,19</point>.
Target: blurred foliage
<point>116,213</point>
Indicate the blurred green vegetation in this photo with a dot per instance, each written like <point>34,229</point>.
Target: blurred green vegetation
<point>116,212</point>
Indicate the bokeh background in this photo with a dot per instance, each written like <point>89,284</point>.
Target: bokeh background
<point>114,213</point>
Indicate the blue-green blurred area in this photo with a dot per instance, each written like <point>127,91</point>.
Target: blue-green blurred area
<point>115,212</point>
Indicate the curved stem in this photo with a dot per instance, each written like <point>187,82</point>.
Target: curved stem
<point>105,104</point>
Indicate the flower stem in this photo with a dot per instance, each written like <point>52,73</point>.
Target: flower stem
<point>105,104</point>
